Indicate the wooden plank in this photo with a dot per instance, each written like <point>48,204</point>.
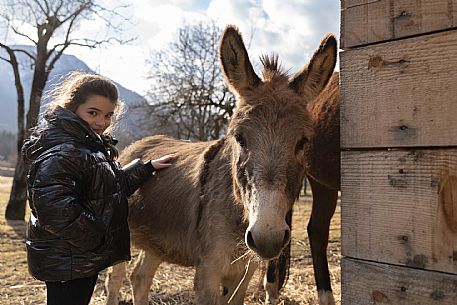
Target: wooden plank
<point>400,207</point>
<point>400,93</point>
<point>370,21</point>
<point>364,283</point>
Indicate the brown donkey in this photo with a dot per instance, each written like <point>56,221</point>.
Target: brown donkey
<point>322,165</point>
<point>225,198</point>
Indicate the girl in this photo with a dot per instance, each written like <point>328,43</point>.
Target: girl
<point>78,192</point>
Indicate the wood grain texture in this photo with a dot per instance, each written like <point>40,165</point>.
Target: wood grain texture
<point>400,93</point>
<point>365,283</point>
<point>400,207</point>
<point>371,21</point>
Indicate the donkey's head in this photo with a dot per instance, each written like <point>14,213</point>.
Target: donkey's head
<point>268,131</point>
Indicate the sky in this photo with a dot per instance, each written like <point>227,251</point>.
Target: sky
<point>292,29</point>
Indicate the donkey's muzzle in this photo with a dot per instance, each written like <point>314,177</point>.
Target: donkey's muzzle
<point>269,245</point>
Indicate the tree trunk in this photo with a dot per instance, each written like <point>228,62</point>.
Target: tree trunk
<point>15,210</point>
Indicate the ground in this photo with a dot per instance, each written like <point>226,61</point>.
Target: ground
<point>172,284</point>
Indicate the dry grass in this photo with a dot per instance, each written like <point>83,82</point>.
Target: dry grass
<point>172,284</point>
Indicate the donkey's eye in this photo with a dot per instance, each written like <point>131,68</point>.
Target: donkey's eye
<point>301,144</point>
<point>239,138</point>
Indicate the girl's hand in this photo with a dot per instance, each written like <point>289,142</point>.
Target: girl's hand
<point>162,162</point>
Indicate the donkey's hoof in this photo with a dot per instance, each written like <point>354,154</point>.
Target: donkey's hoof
<point>326,297</point>
<point>271,293</point>
<point>271,299</point>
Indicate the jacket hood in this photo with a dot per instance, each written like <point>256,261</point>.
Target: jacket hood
<point>61,126</point>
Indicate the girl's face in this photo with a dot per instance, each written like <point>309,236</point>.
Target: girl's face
<point>97,111</point>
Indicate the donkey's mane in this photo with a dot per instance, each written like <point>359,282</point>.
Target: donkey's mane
<point>208,156</point>
<point>272,67</point>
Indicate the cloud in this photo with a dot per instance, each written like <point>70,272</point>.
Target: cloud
<point>157,21</point>
<point>292,29</point>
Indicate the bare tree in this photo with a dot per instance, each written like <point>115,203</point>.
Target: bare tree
<point>188,94</point>
<point>56,23</point>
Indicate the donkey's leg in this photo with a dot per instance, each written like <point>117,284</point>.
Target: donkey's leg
<point>324,204</point>
<point>277,272</point>
<point>271,283</point>
<point>209,272</point>
<point>113,283</point>
<point>276,276</point>
<point>142,275</point>
<point>207,283</point>
<point>236,283</point>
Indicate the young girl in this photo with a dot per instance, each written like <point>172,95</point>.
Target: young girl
<point>78,192</point>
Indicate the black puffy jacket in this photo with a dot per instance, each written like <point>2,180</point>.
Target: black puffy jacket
<point>78,200</point>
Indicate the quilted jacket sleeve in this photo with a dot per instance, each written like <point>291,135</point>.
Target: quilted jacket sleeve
<point>58,203</point>
<point>136,173</point>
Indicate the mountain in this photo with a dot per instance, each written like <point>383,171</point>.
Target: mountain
<point>67,63</point>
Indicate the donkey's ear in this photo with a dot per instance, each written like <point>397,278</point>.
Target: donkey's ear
<point>310,81</point>
<point>235,61</point>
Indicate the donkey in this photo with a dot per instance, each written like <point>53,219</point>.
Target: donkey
<point>225,198</point>
<point>322,167</point>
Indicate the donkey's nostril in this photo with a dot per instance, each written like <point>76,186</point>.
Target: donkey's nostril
<point>250,241</point>
<point>224,291</point>
<point>286,237</point>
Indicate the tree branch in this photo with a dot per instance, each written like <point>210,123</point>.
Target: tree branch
<point>75,14</point>
<point>31,9</point>
<point>54,60</point>
<point>31,56</point>
<point>43,10</point>
<point>56,12</point>
<point>16,31</point>
<point>90,43</point>
<point>98,10</point>
<point>66,42</point>
<point>4,59</point>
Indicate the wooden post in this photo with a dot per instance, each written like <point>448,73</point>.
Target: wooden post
<point>399,152</point>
